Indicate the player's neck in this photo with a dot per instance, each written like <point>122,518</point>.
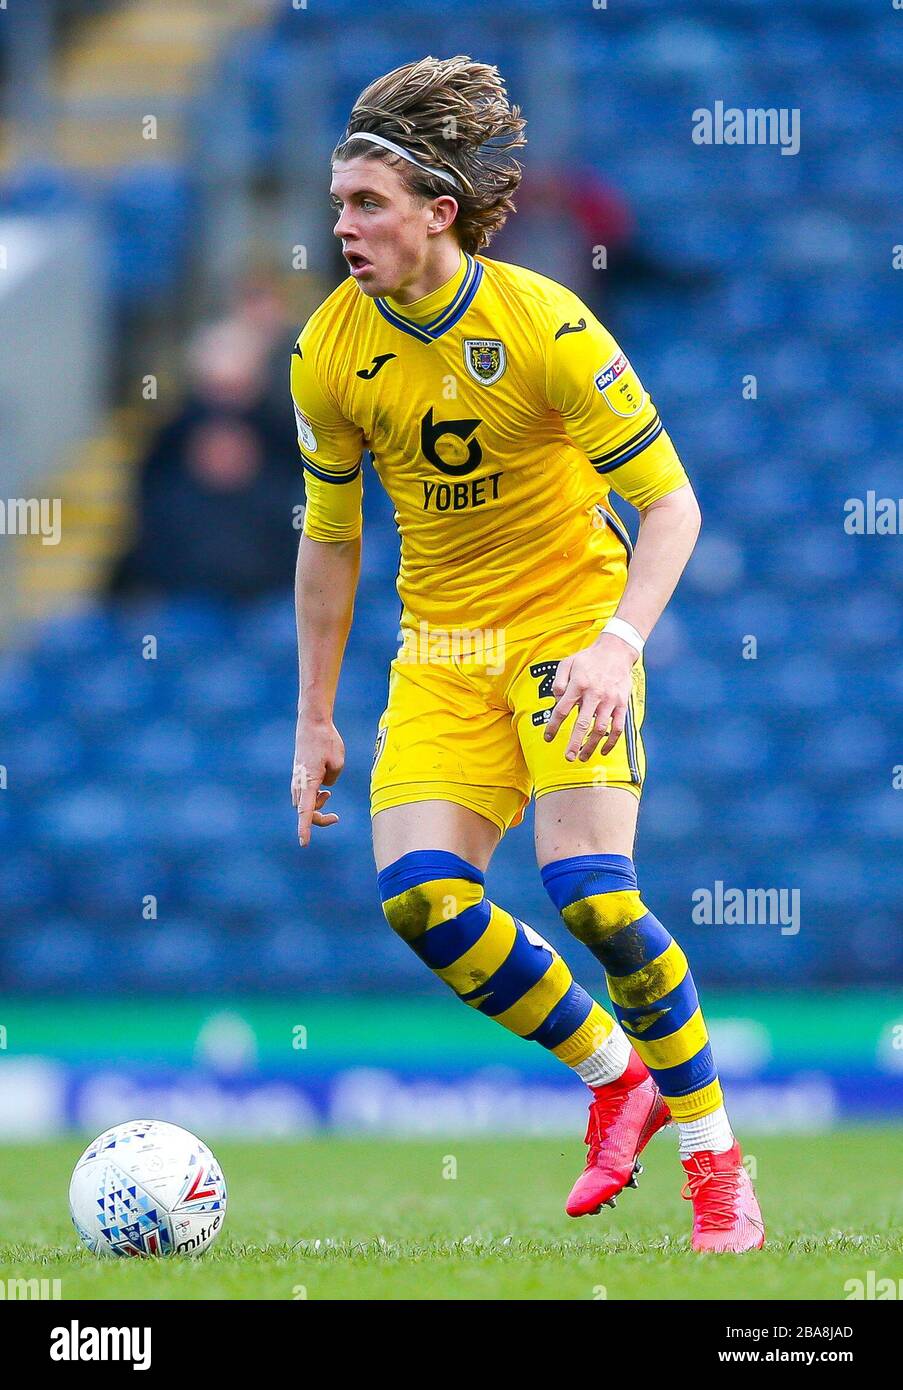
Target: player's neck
<point>441,267</point>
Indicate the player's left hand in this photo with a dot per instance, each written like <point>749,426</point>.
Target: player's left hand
<point>598,681</point>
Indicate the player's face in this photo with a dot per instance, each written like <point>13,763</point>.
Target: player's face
<point>382,227</point>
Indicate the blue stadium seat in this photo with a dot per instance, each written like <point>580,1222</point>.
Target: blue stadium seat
<point>148,210</point>
<point>36,188</point>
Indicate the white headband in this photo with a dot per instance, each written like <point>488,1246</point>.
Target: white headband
<point>405,154</point>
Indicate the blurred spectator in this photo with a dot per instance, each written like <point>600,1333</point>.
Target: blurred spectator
<point>562,215</point>
<point>259,314</point>
<point>219,482</point>
<point>578,229</point>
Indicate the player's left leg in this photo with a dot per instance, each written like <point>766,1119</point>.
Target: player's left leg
<point>584,846</point>
<point>586,815</point>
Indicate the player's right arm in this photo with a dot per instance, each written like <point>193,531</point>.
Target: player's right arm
<point>326,578</point>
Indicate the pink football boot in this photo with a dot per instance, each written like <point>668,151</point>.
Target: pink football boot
<point>726,1215</point>
<point>622,1119</point>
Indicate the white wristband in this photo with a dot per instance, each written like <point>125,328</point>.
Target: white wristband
<point>627,633</point>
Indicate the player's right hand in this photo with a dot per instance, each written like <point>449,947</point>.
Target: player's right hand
<point>319,758</point>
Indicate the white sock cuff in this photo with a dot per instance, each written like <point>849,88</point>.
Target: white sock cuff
<point>608,1062</point>
<point>710,1132</point>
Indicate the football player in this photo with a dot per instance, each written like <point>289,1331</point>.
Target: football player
<point>499,413</point>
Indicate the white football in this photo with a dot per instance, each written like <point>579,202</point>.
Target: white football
<point>147,1188</point>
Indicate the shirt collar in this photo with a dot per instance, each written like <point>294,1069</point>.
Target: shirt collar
<point>435,313</point>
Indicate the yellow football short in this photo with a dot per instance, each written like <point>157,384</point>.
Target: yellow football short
<point>465,723</point>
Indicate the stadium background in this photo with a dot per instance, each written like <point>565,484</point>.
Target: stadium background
<point>165,947</point>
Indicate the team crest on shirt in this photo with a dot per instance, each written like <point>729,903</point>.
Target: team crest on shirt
<point>485,359</point>
<point>619,386</point>
<point>306,434</point>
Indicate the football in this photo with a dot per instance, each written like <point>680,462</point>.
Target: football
<point>147,1188</point>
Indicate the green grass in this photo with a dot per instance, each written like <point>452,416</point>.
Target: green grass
<point>355,1219</point>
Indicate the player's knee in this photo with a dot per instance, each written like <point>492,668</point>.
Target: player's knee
<point>623,935</point>
<point>409,913</point>
<point>599,901</point>
<point>593,920</point>
<point>596,894</point>
<point>425,888</point>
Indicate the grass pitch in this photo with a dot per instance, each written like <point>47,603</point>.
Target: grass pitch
<point>383,1219</point>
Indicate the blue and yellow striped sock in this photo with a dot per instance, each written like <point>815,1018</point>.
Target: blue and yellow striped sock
<point>649,980</point>
<point>498,965</point>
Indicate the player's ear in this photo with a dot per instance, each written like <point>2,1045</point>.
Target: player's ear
<point>443,212</point>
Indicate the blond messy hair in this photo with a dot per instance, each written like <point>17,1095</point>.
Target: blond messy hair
<point>453,114</point>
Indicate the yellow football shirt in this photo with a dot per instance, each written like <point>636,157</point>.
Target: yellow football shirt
<point>499,413</point>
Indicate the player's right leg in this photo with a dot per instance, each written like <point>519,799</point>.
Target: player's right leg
<point>433,841</point>
<point>433,897</point>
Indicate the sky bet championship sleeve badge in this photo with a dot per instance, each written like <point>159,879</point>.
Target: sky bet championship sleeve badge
<point>485,359</point>
<point>306,434</point>
<point>619,386</point>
